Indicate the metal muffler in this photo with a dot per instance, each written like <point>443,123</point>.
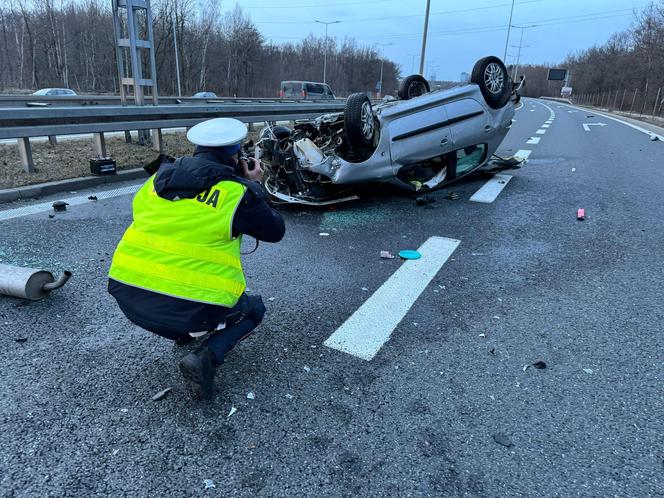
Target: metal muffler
<point>29,283</point>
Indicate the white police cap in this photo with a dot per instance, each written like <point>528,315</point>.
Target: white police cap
<point>218,132</point>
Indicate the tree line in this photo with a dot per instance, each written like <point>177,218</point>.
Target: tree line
<point>631,61</point>
<point>71,43</point>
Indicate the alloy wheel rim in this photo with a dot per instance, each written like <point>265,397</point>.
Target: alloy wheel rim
<point>367,121</point>
<point>494,78</point>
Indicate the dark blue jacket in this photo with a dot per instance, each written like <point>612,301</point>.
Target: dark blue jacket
<point>186,178</point>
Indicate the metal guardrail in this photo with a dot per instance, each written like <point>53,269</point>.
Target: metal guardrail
<point>94,100</point>
<point>25,122</point>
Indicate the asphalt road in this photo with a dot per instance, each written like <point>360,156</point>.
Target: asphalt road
<point>527,283</point>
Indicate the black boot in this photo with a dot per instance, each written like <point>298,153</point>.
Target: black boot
<point>198,369</point>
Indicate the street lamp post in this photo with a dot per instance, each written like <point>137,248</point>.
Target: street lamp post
<point>382,61</point>
<point>509,27</point>
<point>412,62</point>
<point>325,48</point>
<point>521,45</point>
<point>424,38</point>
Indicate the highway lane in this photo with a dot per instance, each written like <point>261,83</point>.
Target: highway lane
<point>527,283</point>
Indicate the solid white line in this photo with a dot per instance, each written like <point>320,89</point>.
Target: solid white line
<point>365,332</point>
<point>523,154</point>
<point>540,132</point>
<point>9,214</point>
<point>491,189</point>
<point>534,140</point>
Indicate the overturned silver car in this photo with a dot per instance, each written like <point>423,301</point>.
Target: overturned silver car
<point>421,141</point>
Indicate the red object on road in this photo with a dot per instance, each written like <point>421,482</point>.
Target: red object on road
<point>581,214</point>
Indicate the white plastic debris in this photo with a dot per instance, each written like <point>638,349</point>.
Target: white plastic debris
<point>124,410</point>
<point>365,289</point>
<point>209,484</point>
<point>115,452</point>
<point>307,369</point>
<point>588,370</point>
<point>482,335</point>
<point>232,412</point>
<point>386,255</point>
<point>289,396</point>
<point>270,299</point>
<point>161,394</point>
<point>251,395</point>
<point>324,234</point>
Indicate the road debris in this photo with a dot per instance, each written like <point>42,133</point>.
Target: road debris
<point>270,299</point>
<point>654,138</point>
<point>453,196</point>
<point>424,200</point>
<point>503,440</point>
<point>365,289</point>
<point>232,412</point>
<point>588,370</point>
<point>306,369</point>
<point>209,484</point>
<point>409,254</point>
<point>539,365</point>
<point>581,214</point>
<point>60,206</point>
<point>251,395</point>
<point>386,255</point>
<point>92,198</point>
<point>289,396</point>
<point>21,339</point>
<point>324,234</point>
<point>161,394</point>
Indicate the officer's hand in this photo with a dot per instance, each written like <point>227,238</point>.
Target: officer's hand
<point>255,174</point>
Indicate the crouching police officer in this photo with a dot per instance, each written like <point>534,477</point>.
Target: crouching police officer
<point>177,270</point>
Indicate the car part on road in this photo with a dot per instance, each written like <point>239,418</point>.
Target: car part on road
<point>409,254</point>
<point>581,214</point>
<point>413,86</point>
<point>29,283</point>
<point>161,394</point>
<point>60,206</point>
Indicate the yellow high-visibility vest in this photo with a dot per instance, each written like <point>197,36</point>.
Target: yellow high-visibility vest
<point>184,248</point>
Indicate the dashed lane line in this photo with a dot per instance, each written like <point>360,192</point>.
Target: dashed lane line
<point>42,207</point>
<point>523,154</point>
<point>540,132</point>
<point>534,140</point>
<point>371,326</point>
<point>491,189</point>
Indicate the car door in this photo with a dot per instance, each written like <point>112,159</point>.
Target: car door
<point>420,133</point>
<point>469,122</point>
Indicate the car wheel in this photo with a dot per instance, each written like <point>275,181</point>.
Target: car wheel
<point>490,74</point>
<point>359,123</point>
<point>413,86</point>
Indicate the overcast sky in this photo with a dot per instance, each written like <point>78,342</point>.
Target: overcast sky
<point>460,31</point>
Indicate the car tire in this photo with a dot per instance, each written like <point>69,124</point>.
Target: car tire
<point>413,86</point>
<point>491,75</point>
<point>359,123</point>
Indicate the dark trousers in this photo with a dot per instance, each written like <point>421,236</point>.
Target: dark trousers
<point>239,322</point>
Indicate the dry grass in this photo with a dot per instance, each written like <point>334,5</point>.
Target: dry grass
<point>70,158</point>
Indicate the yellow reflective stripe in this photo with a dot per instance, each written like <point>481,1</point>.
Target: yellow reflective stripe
<point>170,246</point>
<point>213,283</point>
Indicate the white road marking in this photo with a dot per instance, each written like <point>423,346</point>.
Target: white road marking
<point>534,140</point>
<point>365,332</point>
<point>545,125</point>
<point>523,154</point>
<point>626,123</point>
<point>550,122</point>
<point>491,189</point>
<point>532,110</point>
<point>42,207</point>
<point>540,132</point>
<point>586,126</point>
<point>573,170</point>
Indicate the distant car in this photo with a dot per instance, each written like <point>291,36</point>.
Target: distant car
<point>305,90</point>
<point>205,95</point>
<point>55,92</point>
<point>422,141</point>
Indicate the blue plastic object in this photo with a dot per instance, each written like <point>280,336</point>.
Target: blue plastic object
<point>408,254</point>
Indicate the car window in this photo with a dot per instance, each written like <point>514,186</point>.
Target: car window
<point>315,88</point>
<point>328,90</point>
<point>469,158</point>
